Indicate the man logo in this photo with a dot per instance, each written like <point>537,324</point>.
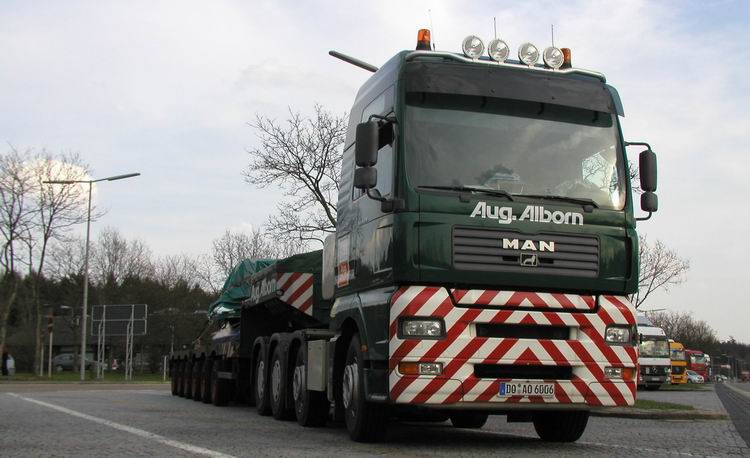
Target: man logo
<point>529,260</point>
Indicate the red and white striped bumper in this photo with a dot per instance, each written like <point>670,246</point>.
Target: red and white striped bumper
<point>585,351</point>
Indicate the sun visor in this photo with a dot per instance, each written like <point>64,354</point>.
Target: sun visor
<point>517,84</point>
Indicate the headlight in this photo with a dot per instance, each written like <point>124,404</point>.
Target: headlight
<point>553,57</point>
<point>472,46</point>
<point>528,54</point>
<point>422,327</point>
<point>498,50</point>
<point>617,334</point>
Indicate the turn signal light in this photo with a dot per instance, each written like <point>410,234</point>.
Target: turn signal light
<point>423,40</point>
<point>420,368</point>
<point>567,59</point>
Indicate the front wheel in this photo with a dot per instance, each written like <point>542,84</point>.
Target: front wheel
<point>560,426</point>
<point>311,407</point>
<point>366,421</point>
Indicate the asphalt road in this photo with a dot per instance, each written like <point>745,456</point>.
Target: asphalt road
<point>736,399</point>
<point>138,420</point>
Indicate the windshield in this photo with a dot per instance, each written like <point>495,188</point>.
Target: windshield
<point>523,148</point>
<point>654,347</point>
<point>678,355</point>
<point>697,359</point>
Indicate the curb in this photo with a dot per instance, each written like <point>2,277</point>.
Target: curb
<point>645,414</point>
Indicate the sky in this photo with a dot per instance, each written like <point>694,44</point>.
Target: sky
<point>166,88</point>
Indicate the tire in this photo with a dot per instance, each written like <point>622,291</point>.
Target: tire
<point>187,378</point>
<point>179,373</point>
<point>310,407</point>
<point>206,380</point>
<point>219,387</point>
<point>59,368</point>
<point>365,421</point>
<point>173,378</point>
<point>469,420</point>
<point>561,426</point>
<point>652,387</point>
<point>196,380</point>
<point>279,387</point>
<point>262,398</point>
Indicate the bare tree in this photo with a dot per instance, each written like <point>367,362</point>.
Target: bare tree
<point>303,156</point>
<point>660,268</point>
<point>684,328</point>
<point>16,216</point>
<point>173,270</point>
<point>232,247</point>
<point>58,208</point>
<point>114,258</point>
<point>66,258</point>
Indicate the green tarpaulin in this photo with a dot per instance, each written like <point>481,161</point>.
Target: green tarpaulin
<point>237,288</point>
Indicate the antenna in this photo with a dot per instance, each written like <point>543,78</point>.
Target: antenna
<point>353,61</point>
<point>432,29</point>
<point>552,28</point>
<point>494,23</point>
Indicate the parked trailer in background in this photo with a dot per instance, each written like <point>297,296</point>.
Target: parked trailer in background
<point>476,269</point>
<point>679,363</point>
<point>697,362</point>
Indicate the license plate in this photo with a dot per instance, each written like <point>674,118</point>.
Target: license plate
<point>545,390</point>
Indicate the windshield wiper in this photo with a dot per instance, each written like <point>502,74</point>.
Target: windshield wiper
<point>472,189</point>
<point>576,200</point>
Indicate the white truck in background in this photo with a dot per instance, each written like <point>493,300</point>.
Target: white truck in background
<point>654,362</point>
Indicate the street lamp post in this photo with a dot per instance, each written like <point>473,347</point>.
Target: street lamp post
<point>85,305</point>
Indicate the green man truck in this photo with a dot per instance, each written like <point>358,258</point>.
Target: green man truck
<point>484,250</point>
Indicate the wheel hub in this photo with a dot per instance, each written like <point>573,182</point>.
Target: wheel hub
<point>298,382</point>
<point>260,380</point>
<point>351,380</point>
<point>276,381</point>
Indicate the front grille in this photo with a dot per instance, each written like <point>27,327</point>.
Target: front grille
<point>678,369</point>
<point>482,249</point>
<point>511,331</point>
<point>523,372</point>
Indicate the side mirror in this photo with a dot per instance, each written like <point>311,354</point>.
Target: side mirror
<point>365,177</point>
<point>366,147</point>
<point>649,202</point>
<point>647,170</point>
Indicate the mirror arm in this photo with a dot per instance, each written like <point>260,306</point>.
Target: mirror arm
<point>638,144</point>
<point>386,205</point>
<point>385,119</point>
<point>645,218</point>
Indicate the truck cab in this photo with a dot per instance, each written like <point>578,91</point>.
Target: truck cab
<point>654,361</point>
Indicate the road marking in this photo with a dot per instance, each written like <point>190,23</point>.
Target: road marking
<point>128,429</point>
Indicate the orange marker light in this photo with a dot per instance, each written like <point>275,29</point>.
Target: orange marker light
<point>567,58</point>
<point>423,40</point>
<point>627,373</point>
<point>408,368</point>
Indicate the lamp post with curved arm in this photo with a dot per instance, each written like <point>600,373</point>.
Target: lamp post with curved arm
<point>85,305</point>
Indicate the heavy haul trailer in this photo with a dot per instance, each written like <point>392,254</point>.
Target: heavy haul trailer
<point>484,250</point>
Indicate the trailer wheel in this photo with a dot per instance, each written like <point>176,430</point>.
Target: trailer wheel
<point>473,420</point>
<point>174,381</point>
<point>279,387</point>
<point>366,421</point>
<point>560,426</point>
<point>262,398</point>
<point>196,380</point>
<point>180,378</point>
<point>188,377</point>
<point>206,380</point>
<point>310,407</point>
<point>219,388</point>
